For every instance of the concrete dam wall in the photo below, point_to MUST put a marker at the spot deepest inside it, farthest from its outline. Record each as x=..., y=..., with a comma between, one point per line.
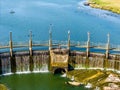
x=22, y=62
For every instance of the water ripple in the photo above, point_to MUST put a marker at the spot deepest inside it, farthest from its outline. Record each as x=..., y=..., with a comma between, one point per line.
x=98, y=12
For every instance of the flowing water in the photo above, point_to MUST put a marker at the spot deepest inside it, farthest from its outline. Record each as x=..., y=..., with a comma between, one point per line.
x=37, y=15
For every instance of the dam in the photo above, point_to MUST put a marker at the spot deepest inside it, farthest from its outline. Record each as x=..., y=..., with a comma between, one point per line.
x=57, y=56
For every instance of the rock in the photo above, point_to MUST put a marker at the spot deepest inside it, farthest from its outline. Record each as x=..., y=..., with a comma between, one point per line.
x=86, y=3
x=111, y=86
x=112, y=78
x=12, y=12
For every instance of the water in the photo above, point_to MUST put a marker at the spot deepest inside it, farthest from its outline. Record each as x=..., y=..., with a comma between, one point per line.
x=37, y=15
x=65, y=15
x=38, y=81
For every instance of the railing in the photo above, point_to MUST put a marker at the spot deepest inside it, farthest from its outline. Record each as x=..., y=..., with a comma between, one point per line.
x=61, y=43
x=11, y=45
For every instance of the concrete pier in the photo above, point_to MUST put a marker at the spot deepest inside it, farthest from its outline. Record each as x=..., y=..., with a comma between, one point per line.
x=12, y=57
x=13, y=64
x=11, y=45
x=108, y=47
x=88, y=46
x=30, y=43
x=31, y=53
x=50, y=37
x=0, y=66
x=68, y=40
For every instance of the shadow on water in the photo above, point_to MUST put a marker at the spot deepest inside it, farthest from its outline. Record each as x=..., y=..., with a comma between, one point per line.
x=70, y=67
x=59, y=71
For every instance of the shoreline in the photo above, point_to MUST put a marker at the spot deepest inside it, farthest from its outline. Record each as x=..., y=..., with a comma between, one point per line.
x=96, y=78
x=3, y=87
x=110, y=5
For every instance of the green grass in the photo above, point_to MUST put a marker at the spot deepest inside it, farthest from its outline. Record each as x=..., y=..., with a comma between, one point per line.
x=111, y=5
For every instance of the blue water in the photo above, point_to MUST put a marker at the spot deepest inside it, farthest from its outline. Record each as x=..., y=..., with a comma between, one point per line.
x=37, y=15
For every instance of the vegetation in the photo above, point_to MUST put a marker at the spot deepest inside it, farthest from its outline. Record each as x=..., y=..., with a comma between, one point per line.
x=95, y=77
x=111, y=5
x=3, y=87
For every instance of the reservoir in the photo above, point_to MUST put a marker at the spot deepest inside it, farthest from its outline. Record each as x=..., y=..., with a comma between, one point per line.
x=36, y=16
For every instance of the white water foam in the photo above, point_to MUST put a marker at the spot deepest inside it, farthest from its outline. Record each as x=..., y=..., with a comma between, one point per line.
x=63, y=75
x=6, y=74
x=88, y=85
x=41, y=71
x=28, y=72
x=118, y=71
x=24, y=72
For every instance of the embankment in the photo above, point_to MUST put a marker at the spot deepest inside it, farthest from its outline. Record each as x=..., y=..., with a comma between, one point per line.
x=3, y=87
x=111, y=5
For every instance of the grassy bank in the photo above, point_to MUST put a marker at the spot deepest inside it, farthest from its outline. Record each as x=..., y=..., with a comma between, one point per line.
x=95, y=77
x=3, y=87
x=111, y=5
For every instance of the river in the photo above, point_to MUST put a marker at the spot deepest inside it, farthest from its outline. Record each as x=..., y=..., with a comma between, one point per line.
x=36, y=16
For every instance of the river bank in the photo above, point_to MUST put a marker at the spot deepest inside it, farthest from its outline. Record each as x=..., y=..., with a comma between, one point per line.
x=97, y=78
x=111, y=5
x=3, y=87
